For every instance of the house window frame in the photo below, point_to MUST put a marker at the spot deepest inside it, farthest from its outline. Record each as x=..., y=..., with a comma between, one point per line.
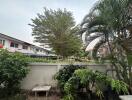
x=14, y=45
x=2, y=41
x=25, y=47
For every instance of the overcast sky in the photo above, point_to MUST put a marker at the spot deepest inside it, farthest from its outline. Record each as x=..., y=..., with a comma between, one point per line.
x=15, y=15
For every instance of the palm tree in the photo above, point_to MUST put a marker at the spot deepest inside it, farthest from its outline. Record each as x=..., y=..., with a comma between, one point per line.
x=107, y=19
x=111, y=21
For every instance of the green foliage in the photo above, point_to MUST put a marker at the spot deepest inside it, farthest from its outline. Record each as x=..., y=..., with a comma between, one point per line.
x=82, y=53
x=90, y=80
x=66, y=45
x=13, y=68
x=49, y=60
x=69, y=88
x=110, y=20
x=129, y=57
x=64, y=74
x=111, y=23
x=119, y=86
x=44, y=60
x=57, y=29
x=68, y=97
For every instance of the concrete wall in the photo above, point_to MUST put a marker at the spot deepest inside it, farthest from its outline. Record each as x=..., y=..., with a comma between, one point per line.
x=43, y=73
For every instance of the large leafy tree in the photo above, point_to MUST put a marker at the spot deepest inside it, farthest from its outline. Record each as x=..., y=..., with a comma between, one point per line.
x=111, y=21
x=57, y=29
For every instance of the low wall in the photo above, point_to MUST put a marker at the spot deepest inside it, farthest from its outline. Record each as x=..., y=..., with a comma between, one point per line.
x=43, y=73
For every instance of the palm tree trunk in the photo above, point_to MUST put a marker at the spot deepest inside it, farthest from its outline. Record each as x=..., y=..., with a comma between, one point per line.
x=112, y=58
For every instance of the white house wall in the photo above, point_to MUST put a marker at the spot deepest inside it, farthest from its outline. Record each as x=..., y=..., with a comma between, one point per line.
x=20, y=47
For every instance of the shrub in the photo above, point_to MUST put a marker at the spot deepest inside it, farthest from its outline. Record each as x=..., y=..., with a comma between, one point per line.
x=94, y=83
x=64, y=74
x=13, y=68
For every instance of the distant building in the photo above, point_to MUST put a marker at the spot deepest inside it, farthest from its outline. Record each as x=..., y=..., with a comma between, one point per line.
x=13, y=45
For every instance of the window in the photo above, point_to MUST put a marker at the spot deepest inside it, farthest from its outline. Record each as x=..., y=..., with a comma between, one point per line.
x=15, y=45
x=37, y=50
x=41, y=50
x=2, y=42
x=25, y=47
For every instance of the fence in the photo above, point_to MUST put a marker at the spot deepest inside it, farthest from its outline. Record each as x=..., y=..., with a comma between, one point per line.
x=43, y=73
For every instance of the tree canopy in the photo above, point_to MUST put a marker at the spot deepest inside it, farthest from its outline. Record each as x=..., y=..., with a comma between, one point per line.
x=111, y=21
x=57, y=29
x=108, y=20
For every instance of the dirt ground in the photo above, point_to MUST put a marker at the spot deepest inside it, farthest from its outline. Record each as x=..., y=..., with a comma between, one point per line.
x=41, y=96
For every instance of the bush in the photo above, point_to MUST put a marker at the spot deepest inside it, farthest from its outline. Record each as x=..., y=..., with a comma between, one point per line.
x=64, y=74
x=13, y=68
x=95, y=84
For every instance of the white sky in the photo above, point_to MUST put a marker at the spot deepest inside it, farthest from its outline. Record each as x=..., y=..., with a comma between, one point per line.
x=15, y=15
